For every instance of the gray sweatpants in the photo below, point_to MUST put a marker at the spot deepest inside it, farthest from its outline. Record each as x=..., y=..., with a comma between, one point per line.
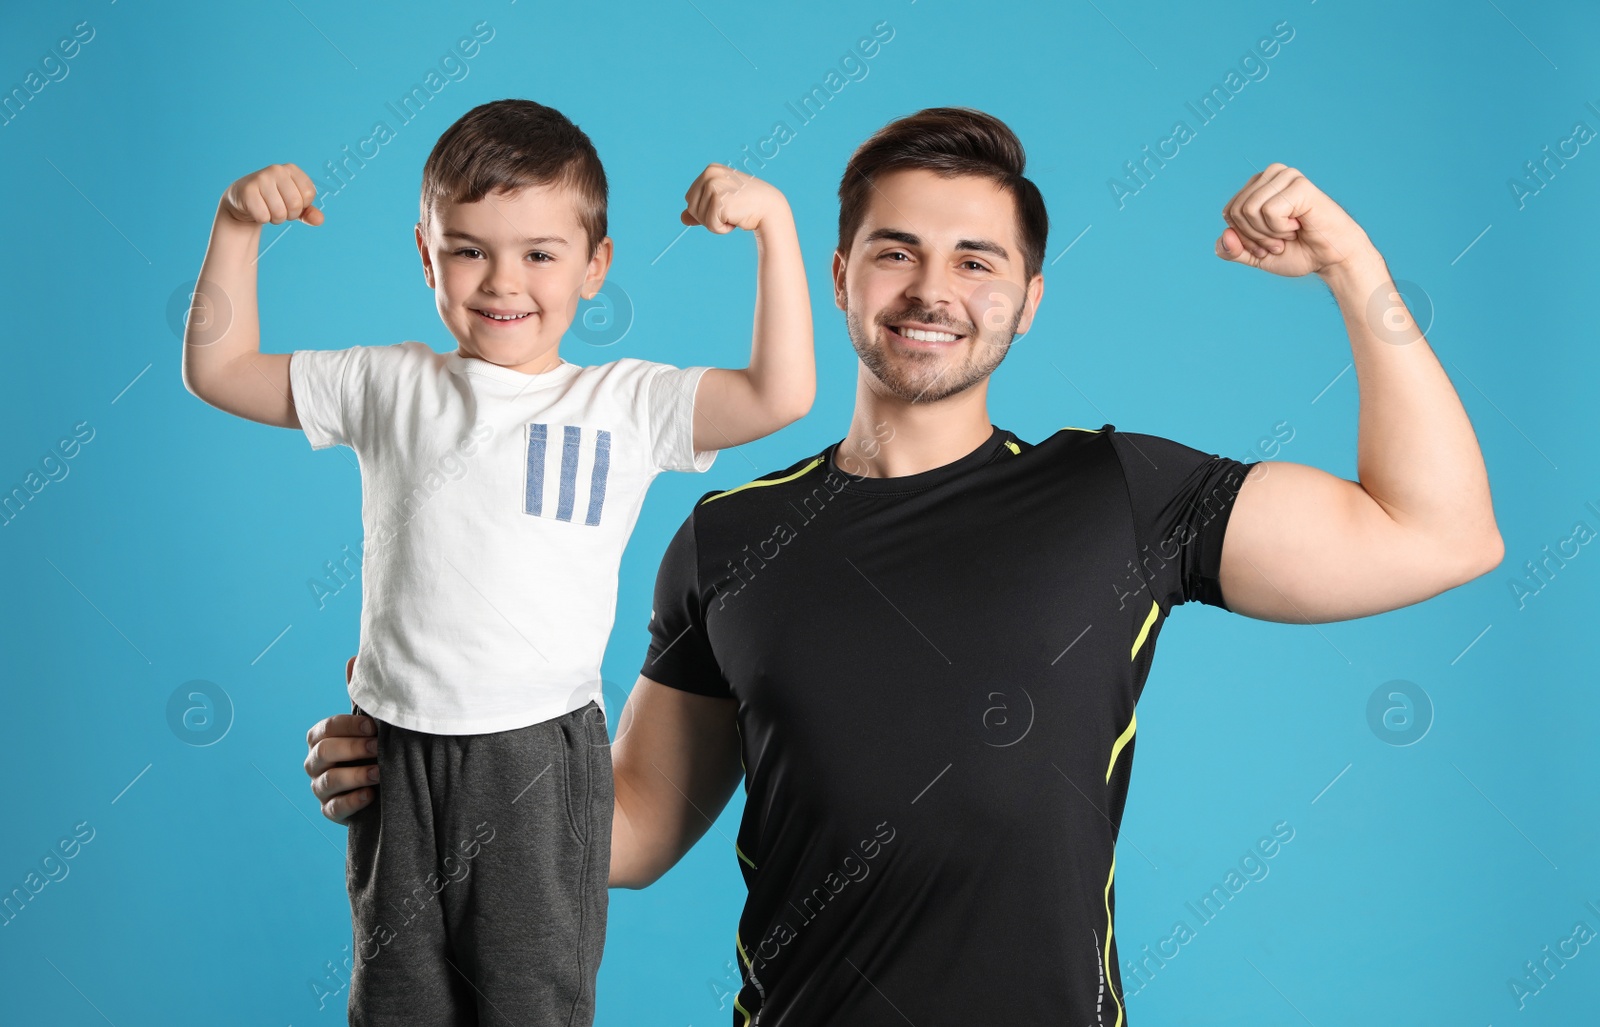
x=478, y=878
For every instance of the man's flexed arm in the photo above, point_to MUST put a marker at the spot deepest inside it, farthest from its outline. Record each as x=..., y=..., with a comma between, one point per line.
x=222, y=359
x=675, y=762
x=1304, y=545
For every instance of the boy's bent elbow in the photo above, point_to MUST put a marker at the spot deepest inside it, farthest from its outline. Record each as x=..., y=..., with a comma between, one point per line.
x=195, y=384
x=206, y=389
x=797, y=404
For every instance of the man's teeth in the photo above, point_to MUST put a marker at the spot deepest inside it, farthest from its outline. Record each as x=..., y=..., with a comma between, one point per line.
x=920, y=336
x=503, y=317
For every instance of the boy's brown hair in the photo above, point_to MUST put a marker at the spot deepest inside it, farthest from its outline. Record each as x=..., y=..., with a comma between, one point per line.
x=948, y=141
x=511, y=144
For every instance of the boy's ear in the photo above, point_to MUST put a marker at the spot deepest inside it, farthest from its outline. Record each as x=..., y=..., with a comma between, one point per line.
x=839, y=265
x=599, y=264
x=427, y=258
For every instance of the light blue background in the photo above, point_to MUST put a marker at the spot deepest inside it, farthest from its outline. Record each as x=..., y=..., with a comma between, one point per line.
x=181, y=542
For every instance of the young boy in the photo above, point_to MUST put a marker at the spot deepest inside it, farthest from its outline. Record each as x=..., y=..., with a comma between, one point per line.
x=499, y=486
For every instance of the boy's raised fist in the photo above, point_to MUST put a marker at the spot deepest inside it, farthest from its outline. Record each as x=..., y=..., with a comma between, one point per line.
x=277, y=193
x=723, y=199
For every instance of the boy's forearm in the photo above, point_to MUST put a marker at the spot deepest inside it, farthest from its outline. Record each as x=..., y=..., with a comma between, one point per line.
x=224, y=323
x=782, y=367
x=222, y=359
x=735, y=406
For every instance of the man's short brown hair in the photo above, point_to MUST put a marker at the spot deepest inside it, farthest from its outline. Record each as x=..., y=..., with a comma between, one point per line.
x=512, y=144
x=948, y=141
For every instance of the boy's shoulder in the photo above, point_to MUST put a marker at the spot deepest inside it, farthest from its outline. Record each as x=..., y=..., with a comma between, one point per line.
x=391, y=361
x=388, y=356
x=634, y=380
x=625, y=368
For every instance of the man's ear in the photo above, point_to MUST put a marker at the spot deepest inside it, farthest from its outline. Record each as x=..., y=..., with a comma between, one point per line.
x=599, y=265
x=427, y=258
x=839, y=265
x=1030, y=303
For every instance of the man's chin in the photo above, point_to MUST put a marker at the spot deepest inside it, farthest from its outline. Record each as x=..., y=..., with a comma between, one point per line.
x=921, y=387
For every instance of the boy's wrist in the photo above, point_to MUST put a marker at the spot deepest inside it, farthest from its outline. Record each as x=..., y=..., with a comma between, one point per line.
x=226, y=222
x=777, y=222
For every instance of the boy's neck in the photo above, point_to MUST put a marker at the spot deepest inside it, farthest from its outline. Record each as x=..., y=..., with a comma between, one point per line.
x=548, y=361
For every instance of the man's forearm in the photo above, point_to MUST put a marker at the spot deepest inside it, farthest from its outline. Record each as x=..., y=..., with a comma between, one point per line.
x=627, y=863
x=1417, y=456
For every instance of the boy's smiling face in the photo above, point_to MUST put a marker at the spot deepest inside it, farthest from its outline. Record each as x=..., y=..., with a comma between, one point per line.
x=521, y=255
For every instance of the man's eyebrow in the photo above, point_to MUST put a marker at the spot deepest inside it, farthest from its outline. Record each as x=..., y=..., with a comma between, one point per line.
x=908, y=239
x=540, y=241
x=984, y=246
x=893, y=235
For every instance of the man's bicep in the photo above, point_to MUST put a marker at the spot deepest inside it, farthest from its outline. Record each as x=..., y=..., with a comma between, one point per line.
x=673, y=739
x=675, y=763
x=1306, y=546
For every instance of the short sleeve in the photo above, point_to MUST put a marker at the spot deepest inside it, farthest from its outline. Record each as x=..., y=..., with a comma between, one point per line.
x=669, y=396
x=320, y=383
x=1181, y=500
x=680, y=653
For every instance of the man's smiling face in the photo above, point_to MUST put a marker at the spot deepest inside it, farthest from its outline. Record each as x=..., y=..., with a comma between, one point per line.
x=933, y=288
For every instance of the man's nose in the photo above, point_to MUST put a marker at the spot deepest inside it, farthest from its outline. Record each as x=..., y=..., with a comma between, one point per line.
x=931, y=286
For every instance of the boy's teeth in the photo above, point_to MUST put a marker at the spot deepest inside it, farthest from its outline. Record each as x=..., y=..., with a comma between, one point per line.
x=921, y=336
x=503, y=317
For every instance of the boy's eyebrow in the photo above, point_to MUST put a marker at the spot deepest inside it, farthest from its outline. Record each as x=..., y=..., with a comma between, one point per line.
x=541, y=240
x=976, y=245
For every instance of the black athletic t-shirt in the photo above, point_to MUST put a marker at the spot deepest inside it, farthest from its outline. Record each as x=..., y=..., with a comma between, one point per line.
x=936, y=677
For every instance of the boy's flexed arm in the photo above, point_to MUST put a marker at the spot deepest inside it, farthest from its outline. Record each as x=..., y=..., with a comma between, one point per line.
x=222, y=359
x=735, y=406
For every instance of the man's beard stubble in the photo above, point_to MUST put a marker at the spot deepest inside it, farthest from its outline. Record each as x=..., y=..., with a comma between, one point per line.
x=929, y=382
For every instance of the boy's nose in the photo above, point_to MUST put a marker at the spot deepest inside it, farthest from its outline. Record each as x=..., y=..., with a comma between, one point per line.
x=503, y=281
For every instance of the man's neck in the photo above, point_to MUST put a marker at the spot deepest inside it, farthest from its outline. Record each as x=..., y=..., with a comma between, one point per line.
x=890, y=438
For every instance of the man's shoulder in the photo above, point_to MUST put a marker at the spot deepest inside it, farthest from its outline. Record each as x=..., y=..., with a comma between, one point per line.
x=1135, y=450
x=772, y=485
x=1076, y=443
x=1073, y=436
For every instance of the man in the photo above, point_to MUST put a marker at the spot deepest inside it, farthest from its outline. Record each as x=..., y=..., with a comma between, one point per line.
x=921, y=648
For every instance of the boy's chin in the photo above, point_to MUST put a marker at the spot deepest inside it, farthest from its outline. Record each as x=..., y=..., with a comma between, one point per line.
x=512, y=357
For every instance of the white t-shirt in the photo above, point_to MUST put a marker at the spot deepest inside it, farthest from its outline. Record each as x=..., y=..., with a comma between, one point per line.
x=496, y=506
